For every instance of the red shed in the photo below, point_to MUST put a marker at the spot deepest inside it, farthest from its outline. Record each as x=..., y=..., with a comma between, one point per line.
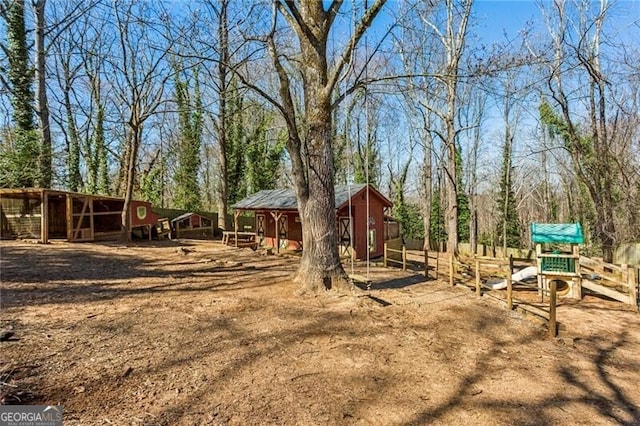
x=360, y=211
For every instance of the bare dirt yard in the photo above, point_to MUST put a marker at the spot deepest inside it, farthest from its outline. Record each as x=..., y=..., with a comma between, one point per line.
x=151, y=334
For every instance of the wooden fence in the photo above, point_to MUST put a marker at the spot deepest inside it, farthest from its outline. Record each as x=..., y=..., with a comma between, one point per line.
x=621, y=281
x=391, y=254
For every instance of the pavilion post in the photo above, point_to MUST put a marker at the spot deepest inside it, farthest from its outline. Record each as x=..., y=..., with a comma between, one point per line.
x=236, y=214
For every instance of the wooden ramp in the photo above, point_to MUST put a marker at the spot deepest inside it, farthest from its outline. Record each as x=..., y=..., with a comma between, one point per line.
x=619, y=282
x=608, y=291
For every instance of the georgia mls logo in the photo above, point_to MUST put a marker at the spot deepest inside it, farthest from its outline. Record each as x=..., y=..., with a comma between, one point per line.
x=31, y=415
x=51, y=407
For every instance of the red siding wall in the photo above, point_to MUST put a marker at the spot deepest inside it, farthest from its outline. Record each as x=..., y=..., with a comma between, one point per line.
x=150, y=217
x=294, y=230
x=359, y=212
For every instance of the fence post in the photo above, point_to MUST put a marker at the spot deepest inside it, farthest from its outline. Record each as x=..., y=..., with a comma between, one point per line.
x=510, y=282
x=384, y=262
x=632, y=284
x=509, y=293
x=404, y=257
x=478, y=291
x=511, y=264
x=426, y=264
x=451, y=272
x=552, y=309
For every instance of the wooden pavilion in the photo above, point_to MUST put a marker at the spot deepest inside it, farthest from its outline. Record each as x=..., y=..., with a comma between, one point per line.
x=360, y=219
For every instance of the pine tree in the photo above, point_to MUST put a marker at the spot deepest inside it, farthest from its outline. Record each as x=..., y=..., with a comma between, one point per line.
x=464, y=214
x=20, y=73
x=263, y=159
x=187, y=191
x=253, y=161
x=20, y=162
x=508, y=226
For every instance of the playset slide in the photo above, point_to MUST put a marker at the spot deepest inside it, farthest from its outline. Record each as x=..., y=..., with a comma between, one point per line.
x=523, y=274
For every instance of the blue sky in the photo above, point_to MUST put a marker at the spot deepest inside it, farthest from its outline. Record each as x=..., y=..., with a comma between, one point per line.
x=496, y=17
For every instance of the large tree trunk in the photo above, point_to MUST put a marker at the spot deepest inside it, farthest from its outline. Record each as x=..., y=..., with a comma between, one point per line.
x=320, y=267
x=221, y=128
x=42, y=105
x=73, y=140
x=133, y=144
x=451, y=217
x=310, y=150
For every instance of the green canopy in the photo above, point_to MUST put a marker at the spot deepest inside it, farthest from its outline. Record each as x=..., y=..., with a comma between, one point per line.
x=564, y=233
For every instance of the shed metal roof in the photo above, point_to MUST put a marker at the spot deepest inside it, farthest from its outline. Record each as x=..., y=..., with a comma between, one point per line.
x=186, y=215
x=285, y=199
x=564, y=233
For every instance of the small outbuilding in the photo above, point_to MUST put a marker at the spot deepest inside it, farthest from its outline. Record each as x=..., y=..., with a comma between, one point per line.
x=193, y=225
x=360, y=219
x=45, y=214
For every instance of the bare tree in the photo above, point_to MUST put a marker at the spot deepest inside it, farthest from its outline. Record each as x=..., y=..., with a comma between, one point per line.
x=474, y=116
x=576, y=42
x=453, y=39
x=143, y=72
x=439, y=106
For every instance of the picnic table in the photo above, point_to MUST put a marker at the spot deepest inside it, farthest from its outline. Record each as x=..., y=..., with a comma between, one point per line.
x=244, y=239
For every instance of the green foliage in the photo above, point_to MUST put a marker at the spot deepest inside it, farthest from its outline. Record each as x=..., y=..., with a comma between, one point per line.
x=263, y=159
x=97, y=166
x=187, y=191
x=19, y=153
x=366, y=162
x=464, y=214
x=74, y=179
x=410, y=218
x=486, y=238
x=558, y=127
x=20, y=73
x=101, y=153
x=152, y=185
x=19, y=149
x=236, y=145
x=253, y=160
x=438, y=230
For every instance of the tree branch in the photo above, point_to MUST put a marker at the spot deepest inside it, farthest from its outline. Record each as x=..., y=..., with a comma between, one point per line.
x=362, y=26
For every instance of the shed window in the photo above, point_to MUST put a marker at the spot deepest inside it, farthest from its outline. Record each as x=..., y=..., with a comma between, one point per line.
x=372, y=240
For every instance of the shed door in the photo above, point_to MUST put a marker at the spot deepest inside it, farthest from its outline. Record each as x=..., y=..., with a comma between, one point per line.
x=260, y=227
x=345, y=236
x=283, y=231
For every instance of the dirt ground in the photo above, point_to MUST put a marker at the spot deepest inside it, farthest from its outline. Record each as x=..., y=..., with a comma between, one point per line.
x=151, y=334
